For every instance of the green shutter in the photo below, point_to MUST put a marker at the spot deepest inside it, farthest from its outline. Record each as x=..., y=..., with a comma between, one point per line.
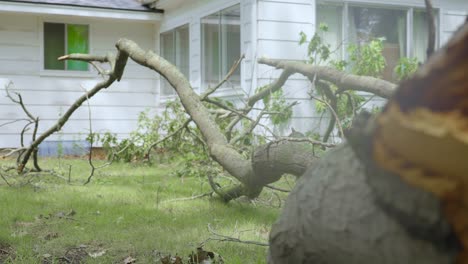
x=77, y=42
x=54, y=46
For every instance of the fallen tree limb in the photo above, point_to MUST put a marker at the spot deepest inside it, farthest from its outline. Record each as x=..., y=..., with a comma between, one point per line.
x=117, y=67
x=343, y=80
x=224, y=238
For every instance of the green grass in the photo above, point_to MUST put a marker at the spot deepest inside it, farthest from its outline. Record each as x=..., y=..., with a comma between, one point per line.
x=125, y=211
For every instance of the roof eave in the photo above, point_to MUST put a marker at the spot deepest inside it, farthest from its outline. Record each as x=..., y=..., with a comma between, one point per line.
x=169, y=4
x=80, y=11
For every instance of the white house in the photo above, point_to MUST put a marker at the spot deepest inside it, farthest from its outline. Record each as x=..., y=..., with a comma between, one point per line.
x=202, y=37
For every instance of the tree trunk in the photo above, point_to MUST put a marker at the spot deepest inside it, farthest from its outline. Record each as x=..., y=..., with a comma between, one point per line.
x=332, y=216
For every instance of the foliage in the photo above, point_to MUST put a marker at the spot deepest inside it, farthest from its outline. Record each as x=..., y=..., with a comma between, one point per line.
x=319, y=52
x=367, y=59
x=276, y=104
x=364, y=59
x=345, y=104
x=152, y=128
x=406, y=67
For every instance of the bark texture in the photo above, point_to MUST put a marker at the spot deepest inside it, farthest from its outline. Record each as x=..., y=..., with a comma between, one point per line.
x=252, y=179
x=332, y=216
x=343, y=80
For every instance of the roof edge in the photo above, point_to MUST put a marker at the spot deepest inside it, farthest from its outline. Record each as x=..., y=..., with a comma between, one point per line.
x=149, y=10
x=78, y=11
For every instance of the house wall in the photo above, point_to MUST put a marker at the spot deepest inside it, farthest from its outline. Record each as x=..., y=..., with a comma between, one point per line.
x=191, y=13
x=270, y=28
x=48, y=94
x=278, y=26
x=279, y=23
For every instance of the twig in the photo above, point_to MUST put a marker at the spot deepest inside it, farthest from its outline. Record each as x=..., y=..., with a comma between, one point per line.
x=184, y=125
x=277, y=189
x=340, y=127
x=431, y=27
x=224, y=238
x=239, y=113
x=14, y=121
x=35, y=160
x=228, y=75
x=19, y=101
x=190, y=198
x=90, y=154
x=364, y=103
x=312, y=141
x=3, y=177
x=32, y=120
x=117, y=64
x=332, y=98
x=13, y=152
x=69, y=173
x=249, y=130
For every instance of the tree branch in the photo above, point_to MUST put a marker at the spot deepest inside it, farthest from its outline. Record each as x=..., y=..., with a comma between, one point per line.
x=340, y=127
x=273, y=87
x=233, y=69
x=343, y=80
x=118, y=64
x=431, y=26
x=217, y=143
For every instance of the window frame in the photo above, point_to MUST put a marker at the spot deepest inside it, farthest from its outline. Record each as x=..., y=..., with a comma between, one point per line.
x=221, y=47
x=161, y=52
x=63, y=73
x=409, y=9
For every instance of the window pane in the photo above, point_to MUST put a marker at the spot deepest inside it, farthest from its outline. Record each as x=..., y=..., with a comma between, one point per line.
x=77, y=42
x=367, y=24
x=54, y=46
x=421, y=34
x=211, y=49
x=332, y=16
x=230, y=43
x=182, y=49
x=167, y=52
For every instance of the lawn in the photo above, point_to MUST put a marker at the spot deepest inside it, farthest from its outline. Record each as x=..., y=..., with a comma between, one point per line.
x=126, y=213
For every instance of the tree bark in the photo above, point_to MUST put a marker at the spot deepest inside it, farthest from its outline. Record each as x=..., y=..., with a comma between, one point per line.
x=332, y=216
x=253, y=178
x=343, y=80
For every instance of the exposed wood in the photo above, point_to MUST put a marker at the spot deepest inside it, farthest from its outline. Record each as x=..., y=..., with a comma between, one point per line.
x=421, y=135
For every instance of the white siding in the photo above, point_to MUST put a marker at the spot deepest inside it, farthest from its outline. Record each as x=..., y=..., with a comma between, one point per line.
x=249, y=45
x=48, y=95
x=278, y=26
x=451, y=19
x=195, y=54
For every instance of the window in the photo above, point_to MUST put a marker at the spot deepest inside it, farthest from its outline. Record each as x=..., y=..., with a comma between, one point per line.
x=175, y=49
x=420, y=34
x=364, y=23
x=221, y=46
x=332, y=15
x=61, y=39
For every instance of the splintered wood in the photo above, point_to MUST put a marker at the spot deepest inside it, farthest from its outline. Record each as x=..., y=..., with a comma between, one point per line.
x=422, y=134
